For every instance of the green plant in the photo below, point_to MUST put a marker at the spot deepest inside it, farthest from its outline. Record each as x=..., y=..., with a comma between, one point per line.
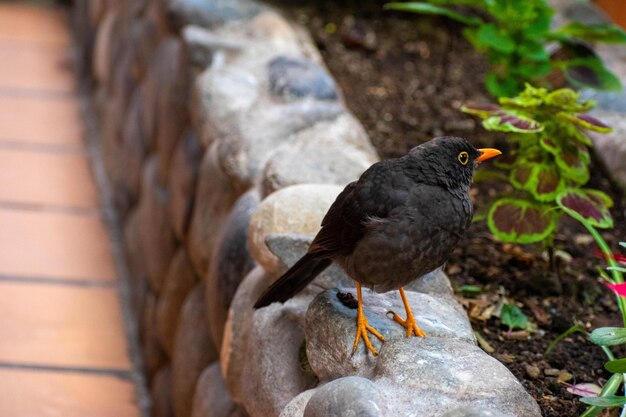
x=514, y=317
x=515, y=37
x=605, y=337
x=547, y=166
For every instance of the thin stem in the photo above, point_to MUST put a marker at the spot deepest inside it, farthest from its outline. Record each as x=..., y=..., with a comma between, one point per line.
x=608, y=352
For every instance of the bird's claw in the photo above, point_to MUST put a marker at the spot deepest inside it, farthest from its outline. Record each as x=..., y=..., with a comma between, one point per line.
x=409, y=324
x=362, y=327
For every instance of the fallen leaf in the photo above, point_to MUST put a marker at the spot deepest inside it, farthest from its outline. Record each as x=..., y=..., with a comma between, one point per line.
x=585, y=389
x=538, y=312
x=483, y=343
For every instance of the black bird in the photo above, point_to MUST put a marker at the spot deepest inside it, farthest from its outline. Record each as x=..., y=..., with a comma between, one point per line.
x=400, y=220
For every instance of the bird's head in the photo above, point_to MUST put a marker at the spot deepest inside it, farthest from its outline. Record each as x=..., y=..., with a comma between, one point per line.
x=449, y=160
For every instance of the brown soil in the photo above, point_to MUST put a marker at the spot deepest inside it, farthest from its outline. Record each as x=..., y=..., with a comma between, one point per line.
x=405, y=76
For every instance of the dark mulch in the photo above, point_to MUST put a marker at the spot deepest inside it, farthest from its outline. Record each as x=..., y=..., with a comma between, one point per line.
x=405, y=76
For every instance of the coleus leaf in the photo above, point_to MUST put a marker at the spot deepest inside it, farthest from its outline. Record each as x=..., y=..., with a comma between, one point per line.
x=608, y=401
x=508, y=122
x=571, y=130
x=585, y=121
x=572, y=158
x=520, y=221
x=584, y=389
x=546, y=182
x=586, y=207
x=600, y=197
x=608, y=336
x=482, y=110
x=542, y=180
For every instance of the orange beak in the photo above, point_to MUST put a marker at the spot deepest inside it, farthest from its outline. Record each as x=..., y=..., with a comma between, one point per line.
x=487, y=153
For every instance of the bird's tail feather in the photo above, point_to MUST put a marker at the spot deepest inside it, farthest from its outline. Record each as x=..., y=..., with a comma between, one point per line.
x=294, y=280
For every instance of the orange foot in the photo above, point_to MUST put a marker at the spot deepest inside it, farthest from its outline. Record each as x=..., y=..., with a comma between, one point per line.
x=409, y=323
x=362, y=327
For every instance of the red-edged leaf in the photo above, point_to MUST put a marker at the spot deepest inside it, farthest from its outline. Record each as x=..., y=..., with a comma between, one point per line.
x=542, y=180
x=550, y=144
x=512, y=123
x=584, y=390
x=482, y=110
x=619, y=289
x=585, y=207
x=520, y=221
x=573, y=160
x=571, y=131
x=548, y=183
x=520, y=175
x=585, y=121
x=599, y=197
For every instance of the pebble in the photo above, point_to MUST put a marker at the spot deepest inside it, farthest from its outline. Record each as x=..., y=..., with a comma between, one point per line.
x=532, y=371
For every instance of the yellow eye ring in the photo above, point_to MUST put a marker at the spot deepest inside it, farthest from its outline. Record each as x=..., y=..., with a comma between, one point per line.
x=463, y=158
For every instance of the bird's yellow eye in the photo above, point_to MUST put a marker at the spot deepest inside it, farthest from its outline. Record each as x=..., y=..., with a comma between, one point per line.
x=463, y=158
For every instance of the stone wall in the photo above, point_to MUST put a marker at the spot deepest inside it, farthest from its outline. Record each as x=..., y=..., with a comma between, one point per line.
x=225, y=140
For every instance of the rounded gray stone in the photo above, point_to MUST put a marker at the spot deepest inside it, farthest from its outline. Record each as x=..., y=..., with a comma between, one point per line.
x=230, y=263
x=295, y=78
x=295, y=407
x=211, y=398
x=349, y=396
x=296, y=209
x=332, y=152
x=209, y=211
x=438, y=375
x=331, y=328
x=255, y=135
x=274, y=345
x=212, y=13
x=193, y=351
x=233, y=352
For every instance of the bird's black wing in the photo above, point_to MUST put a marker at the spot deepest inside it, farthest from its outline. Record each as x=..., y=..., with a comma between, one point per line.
x=379, y=190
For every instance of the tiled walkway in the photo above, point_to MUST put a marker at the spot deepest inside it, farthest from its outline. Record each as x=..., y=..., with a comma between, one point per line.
x=63, y=350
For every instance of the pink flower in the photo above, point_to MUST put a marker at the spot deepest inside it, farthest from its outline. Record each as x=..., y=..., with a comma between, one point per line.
x=619, y=289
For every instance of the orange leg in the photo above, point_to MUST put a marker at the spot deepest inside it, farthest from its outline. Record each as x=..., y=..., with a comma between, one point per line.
x=409, y=323
x=362, y=327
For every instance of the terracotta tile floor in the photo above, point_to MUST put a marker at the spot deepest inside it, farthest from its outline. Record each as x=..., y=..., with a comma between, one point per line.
x=63, y=349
